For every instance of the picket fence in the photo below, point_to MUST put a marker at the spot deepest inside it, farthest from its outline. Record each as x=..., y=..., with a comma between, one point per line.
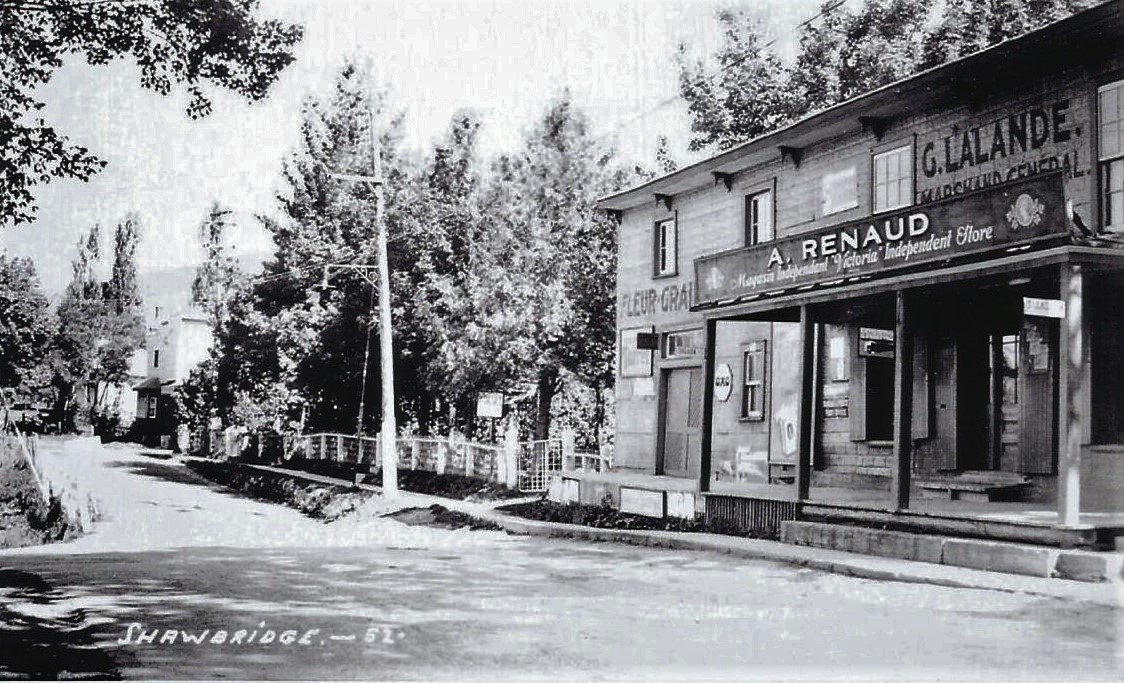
x=525, y=465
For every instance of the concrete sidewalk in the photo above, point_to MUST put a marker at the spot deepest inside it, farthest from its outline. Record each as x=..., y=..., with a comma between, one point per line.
x=838, y=562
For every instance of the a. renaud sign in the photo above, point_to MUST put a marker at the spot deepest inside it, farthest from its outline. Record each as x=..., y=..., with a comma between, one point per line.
x=998, y=217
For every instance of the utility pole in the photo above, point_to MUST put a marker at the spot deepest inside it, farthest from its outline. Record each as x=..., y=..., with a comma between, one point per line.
x=389, y=429
x=366, y=362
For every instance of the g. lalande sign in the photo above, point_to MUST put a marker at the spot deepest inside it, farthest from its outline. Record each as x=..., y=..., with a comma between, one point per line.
x=1009, y=214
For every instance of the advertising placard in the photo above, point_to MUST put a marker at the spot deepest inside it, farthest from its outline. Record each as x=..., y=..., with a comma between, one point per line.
x=999, y=217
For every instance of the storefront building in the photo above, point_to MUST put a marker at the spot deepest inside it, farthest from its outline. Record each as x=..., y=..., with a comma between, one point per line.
x=914, y=298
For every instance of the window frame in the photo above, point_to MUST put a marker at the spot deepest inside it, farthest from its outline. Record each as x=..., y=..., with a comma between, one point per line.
x=907, y=198
x=1106, y=162
x=748, y=410
x=752, y=232
x=155, y=358
x=665, y=344
x=659, y=248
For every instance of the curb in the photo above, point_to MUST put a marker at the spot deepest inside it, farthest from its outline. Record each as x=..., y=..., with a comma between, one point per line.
x=833, y=561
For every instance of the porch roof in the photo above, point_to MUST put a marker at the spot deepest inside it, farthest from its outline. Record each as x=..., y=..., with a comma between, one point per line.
x=1092, y=256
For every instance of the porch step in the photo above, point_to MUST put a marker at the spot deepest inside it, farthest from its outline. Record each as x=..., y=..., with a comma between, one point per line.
x=996, y=556
x=974, y=485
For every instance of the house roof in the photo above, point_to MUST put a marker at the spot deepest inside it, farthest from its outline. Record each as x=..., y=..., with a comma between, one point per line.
x=152, y=383
x=1084, y=38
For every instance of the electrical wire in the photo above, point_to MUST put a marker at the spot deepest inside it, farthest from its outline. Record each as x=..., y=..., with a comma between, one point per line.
x=723, y=68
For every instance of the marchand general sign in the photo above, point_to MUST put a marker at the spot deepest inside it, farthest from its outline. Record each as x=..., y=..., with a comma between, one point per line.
x=999, y=217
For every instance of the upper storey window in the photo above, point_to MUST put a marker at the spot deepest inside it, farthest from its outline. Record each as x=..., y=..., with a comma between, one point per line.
x=759, y=218
x=1110, y=111
x=893, y=179
x=666, y=248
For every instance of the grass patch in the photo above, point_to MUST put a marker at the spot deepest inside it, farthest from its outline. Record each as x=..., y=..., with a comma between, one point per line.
x=25, y=518
x=606, y=517
x=453, y=486
x=327, y=502
x=441, y=517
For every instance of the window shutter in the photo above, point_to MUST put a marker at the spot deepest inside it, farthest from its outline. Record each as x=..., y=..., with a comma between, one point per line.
x=857, y=388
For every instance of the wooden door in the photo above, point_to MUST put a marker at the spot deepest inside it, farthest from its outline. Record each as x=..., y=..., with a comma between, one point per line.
x=1005, y=408
x=1038, y=397
x=939, y=453
x=682, y=421
x=974, y=414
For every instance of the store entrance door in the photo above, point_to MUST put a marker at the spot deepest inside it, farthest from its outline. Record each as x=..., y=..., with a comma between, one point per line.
x=988, y=382
x=680, y=445
x=1006, y=399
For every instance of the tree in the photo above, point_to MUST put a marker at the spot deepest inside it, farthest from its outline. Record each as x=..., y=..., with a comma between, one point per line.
x=846, y=53
x=742, y=94
x=438, y=229
x=218, y=273
x=26, y=325
x=197, y=44
x=290, y=350
x=537, y=300
x=99, y=323
x=843, y=52
x=968, y=26
x=665, y=162
x=123, y=292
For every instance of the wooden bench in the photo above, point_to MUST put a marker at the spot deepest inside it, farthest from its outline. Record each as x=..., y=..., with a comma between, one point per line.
x=979, y=486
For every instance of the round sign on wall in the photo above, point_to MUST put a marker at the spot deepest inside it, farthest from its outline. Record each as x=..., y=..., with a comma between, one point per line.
x=723, y=381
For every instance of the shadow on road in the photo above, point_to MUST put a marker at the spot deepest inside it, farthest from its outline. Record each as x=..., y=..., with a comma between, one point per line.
x=39, y=642
x=177, y=474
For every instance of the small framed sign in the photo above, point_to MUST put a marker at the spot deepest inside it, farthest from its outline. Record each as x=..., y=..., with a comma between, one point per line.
x=1043, y=308
x=489, y=404
x=635, y=360
x=876, y=343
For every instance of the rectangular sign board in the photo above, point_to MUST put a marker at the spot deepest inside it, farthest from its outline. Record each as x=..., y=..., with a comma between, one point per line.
x=1014, y=213
x=1043, y=308
x=489, y=404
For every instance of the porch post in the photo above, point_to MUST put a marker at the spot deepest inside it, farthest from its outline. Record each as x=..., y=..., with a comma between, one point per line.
x=807, y=401
x=1071, y=388
x=711, y=331
x=903, y=402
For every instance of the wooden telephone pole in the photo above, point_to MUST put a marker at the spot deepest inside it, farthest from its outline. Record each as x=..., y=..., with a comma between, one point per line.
x=389, y=430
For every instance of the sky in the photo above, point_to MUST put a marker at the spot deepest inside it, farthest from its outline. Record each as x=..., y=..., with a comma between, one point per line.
x=504, y=58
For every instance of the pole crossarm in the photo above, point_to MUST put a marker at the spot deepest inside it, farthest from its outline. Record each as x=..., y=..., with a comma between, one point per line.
x=356, y=178
x=367, y=272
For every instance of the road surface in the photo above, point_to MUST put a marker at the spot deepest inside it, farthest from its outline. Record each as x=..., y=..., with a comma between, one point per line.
x=271, y=594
